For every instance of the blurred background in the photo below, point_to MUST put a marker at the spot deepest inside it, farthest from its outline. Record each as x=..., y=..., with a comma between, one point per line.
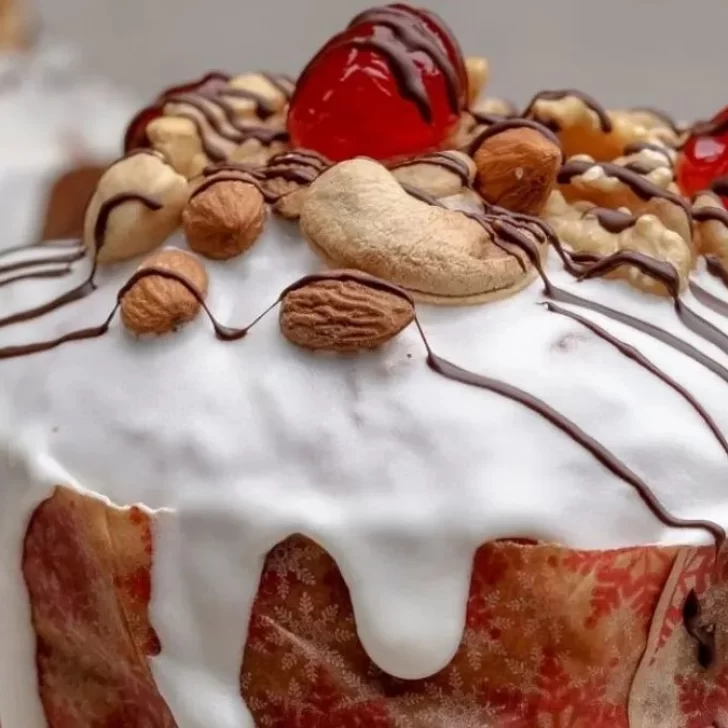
x=69, y=89
x=667, y=53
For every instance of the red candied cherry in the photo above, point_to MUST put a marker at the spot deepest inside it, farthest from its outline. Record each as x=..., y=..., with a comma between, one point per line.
x=392, y=85
x=704, y=157
x=136, y=132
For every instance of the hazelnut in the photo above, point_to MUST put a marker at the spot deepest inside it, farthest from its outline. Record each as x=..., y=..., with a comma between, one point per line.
x=157, y=305
x=517, y=169
x=225, y=218
x=136, y=206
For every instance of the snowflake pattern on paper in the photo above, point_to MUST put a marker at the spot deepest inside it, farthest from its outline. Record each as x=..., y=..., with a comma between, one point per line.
x=553, y=637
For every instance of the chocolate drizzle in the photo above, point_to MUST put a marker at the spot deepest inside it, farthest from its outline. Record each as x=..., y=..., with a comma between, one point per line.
x=632, y=353
x=444, y=160
x=713, y=127
x=300, y=167
x=562, y=296
x=397, y=34
x=659, y=114
x=604, y=121
x=238, y=133
x=42, y=262
x=642, y=187
x=87, y=286
x=637, y=147
x=708, y=213
x=436, y=363
x=613, y=221
x=506, y=125
x=716, y=268
x=283, y=83
x=232, y=176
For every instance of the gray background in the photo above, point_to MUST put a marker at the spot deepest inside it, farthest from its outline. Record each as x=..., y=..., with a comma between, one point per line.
x=668, y=53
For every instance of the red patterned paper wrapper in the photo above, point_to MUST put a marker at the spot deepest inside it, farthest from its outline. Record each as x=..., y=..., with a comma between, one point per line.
x=555, y=638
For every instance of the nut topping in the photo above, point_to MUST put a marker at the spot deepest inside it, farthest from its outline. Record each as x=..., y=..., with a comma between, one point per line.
x=343, y=315
x=225, y=217
x=156, y=305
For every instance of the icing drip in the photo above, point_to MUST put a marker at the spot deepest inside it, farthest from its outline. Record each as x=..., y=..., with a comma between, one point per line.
x=408, y=572
x=589, y=101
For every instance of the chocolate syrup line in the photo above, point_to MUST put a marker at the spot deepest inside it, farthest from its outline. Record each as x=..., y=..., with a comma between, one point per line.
x=263, y=108
x=87, y=286
x=641, y=186
x=240, y=132
x=483, y=117
x=708, y=214
x=406, y=32
x=54, y=273
x=666, y=274
x=436, y=363
x=41, y=262
x=507, y=124
x=579, y=436
x=230, y=177
x=708, y=300
x=440, y=159
x=589, y=101
x=410, y=85
x=213, y=151
x=632, y=353
x=412, y=34
x=558, y=294
x=61, y=244
x=637, y=147
x=281, y=82
x=613, y=221
x=709, y=128
x=717, y=269
x=663, y=116
x=638, y=168
x=301, y=156
x=422, y=196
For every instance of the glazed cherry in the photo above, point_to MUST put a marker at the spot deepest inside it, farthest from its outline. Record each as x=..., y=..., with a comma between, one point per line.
x=704, y=157
x=136, y=132
x=392, y=85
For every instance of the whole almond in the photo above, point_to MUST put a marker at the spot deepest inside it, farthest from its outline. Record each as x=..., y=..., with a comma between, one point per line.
x=225, y=218
x=157, y=305
x=343, y=315
x=517, y=169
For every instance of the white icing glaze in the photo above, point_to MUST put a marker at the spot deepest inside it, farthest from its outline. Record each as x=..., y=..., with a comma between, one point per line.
x=399, y=473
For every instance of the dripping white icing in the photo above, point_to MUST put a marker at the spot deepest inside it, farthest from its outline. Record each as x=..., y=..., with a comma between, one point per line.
x=398, y=473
